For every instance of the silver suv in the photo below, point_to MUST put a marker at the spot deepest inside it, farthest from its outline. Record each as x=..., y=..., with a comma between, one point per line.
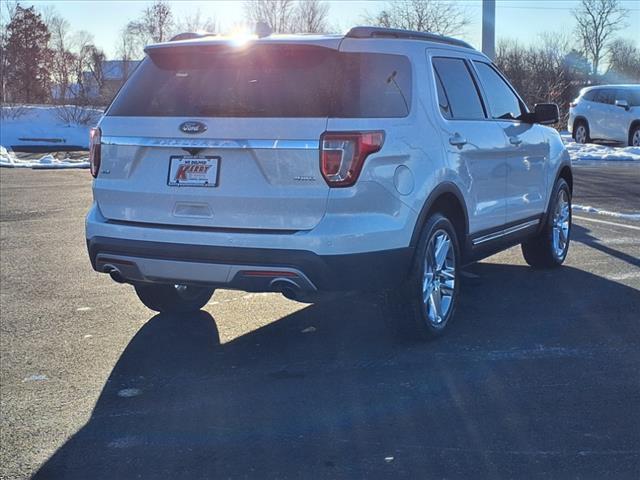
x=606, y=113
x=380, y=160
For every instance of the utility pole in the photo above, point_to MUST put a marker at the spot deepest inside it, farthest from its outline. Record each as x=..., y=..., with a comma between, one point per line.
x=489, y=28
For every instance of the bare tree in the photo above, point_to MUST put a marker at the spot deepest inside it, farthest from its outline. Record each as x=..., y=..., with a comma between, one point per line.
x=311, y=16
x=278, y=14
x=541, y=72
x=156, y=24
x=597, y=21
x=197, y=22
x=624, y=61
x=63, y=59
x=437, y=16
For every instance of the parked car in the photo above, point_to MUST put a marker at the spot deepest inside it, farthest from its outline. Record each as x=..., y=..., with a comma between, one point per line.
x=606, y=113
x=381, y=160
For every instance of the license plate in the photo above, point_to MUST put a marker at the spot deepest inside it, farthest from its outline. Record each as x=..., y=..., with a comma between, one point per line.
x=193, y=171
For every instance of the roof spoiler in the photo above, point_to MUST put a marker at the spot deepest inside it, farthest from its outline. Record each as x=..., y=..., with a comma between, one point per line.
x=380, y=32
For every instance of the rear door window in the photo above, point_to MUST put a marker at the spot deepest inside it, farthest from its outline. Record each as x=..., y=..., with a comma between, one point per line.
x=503, y=103
x=605, y=95
x=458, y=94
x=267, y=81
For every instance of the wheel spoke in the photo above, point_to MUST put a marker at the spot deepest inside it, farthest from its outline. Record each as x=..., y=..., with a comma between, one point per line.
x=436, y=304
x=448, y=273
x=442, y=249
x=446, y=288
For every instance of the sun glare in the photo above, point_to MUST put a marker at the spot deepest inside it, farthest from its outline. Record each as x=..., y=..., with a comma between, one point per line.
x=241, y=36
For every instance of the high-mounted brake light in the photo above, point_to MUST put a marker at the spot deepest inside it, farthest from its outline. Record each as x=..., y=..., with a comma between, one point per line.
x=95, y=139
x=342, y=155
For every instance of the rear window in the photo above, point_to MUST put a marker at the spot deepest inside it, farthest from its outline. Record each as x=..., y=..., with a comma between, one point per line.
x=267, y=81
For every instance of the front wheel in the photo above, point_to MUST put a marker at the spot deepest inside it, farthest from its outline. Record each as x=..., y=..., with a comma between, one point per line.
x=173, y=298
x=549, y=248
x=581, y=134
x=634, y=137
x=422, y=306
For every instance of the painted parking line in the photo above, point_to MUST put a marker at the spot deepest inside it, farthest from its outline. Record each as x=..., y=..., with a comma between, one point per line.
x=631, y=227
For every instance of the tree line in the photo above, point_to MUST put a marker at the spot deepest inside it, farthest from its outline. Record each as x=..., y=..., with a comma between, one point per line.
x=42, y=60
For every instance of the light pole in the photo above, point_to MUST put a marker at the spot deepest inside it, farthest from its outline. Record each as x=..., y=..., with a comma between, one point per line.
x=489, y=28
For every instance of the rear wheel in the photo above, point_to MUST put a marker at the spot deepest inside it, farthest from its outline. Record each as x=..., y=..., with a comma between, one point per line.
x=173, y=298
x=422, y=307
x=581, y=132
x=634, y=137
x=549, y=248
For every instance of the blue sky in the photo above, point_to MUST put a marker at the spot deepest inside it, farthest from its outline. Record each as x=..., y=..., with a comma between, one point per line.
x=519, y=19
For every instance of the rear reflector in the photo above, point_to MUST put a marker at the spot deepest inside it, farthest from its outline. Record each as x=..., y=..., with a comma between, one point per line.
x=342, y=155
x=268, y=273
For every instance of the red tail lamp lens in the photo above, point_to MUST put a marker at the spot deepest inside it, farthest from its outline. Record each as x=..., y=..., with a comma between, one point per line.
x=342, y=155
x=95, y=139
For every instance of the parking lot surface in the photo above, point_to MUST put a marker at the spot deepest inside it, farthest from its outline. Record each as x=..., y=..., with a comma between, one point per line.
x=537, y=377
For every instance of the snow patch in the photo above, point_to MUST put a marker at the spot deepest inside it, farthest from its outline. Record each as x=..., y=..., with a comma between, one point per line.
x=8, y=159
x=36, y=378
x=597, y=152
x=597, y=211
x=129, y=392
x=31, y=125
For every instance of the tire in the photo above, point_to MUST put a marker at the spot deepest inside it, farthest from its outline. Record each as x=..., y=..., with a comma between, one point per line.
x=549, y=248
x=405, y=308
x=173, y=298
x=634, y=137
x=581, y=132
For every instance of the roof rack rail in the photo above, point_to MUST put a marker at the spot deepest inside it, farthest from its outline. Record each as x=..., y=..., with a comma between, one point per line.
x=191, y=36
x=381, y=32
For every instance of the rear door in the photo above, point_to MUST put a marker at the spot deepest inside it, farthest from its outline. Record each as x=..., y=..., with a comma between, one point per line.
x=219, y=136
x=475, y=146
x=526, y=146
x=603, y=113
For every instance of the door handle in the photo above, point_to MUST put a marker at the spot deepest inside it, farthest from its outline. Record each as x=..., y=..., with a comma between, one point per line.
x=457, y=140
x=515, y=141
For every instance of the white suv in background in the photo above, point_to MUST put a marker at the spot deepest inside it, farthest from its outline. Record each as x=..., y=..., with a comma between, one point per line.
x=380, y=160
x=608, y=113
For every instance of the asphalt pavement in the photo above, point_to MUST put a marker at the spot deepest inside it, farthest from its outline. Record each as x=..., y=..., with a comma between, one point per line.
x=538, y=376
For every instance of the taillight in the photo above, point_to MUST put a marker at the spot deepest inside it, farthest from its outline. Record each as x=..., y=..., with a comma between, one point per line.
x=95, y=137
x=573, y=104
x=342, y=155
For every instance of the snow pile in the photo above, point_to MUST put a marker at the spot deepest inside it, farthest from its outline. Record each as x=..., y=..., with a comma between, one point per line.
x=47, y=162
x=41, y=126
x=598, y=211
x=592, y=151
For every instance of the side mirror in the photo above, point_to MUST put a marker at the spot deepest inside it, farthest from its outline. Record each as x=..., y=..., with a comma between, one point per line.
x=546, y=113
x=622, y=103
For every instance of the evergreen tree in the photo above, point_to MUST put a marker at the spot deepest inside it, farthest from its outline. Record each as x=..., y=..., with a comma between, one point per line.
x=28, y=57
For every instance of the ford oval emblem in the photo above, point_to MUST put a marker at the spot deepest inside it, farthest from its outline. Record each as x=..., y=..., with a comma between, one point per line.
x=193, y=127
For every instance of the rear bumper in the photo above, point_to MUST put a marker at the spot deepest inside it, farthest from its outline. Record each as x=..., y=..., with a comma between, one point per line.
x=249, y=269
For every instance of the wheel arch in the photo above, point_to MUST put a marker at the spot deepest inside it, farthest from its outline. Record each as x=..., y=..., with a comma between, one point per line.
x=447, y=199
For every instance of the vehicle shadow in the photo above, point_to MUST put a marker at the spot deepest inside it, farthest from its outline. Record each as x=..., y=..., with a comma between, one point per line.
x=536, y=377
x=582, y=234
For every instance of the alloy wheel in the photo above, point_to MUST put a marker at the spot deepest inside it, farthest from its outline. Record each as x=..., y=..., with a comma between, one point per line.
x=581, y=134
x=635, y=141
x=561, y=224
x=438, y=283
